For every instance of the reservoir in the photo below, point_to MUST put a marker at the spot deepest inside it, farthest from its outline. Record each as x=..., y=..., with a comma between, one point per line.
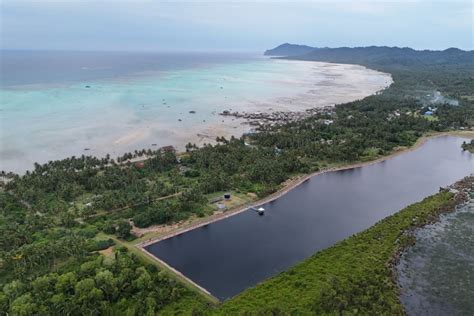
x=240, y=251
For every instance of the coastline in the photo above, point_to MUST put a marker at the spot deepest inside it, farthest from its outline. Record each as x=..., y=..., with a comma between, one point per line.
x=289, y=185
x=385, y=234
x=152, y=115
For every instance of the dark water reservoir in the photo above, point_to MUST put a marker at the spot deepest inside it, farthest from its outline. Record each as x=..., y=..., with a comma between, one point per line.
x=233, y=254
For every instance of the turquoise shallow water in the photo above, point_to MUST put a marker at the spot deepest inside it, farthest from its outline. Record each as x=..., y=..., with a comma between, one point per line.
x=41, y=121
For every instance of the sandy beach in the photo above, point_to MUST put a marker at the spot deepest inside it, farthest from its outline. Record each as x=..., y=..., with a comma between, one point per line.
x=342, y=83
x=118, y=116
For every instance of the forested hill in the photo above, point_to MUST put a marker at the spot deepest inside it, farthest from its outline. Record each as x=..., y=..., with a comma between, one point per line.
x=289, y=50
x=382, y=55
x=416, y=72
x=376, y=55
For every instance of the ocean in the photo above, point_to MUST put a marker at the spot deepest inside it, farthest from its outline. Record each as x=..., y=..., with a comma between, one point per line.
x=54, y=104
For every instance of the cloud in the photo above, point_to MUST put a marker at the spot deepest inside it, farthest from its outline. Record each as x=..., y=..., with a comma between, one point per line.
x=230, y=24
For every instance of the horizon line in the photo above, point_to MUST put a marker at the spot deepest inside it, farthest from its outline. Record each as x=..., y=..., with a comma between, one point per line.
x=219, y=50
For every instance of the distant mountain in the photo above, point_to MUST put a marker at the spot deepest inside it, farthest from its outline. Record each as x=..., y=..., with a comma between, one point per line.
x=289, y=50
x=377, y=55
x=391, y=55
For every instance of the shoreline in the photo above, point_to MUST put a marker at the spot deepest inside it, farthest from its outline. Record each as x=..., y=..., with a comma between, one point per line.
x=291, y=184
x=179, y=274
x=128, y=128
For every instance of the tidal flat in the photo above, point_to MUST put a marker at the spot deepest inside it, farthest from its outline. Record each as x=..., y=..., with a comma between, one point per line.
x=116, y=111
x=436, y=275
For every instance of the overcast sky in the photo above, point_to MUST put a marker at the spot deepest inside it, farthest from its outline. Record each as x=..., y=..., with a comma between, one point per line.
x=233, y=25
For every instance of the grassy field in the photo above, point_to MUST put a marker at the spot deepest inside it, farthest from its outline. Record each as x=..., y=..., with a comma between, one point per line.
x=431, y=118
x=236, y=200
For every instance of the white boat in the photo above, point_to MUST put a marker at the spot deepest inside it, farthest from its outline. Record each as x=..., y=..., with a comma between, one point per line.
x=259, y=211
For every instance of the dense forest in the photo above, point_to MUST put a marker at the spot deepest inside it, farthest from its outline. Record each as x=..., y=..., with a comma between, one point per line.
x=58, y=220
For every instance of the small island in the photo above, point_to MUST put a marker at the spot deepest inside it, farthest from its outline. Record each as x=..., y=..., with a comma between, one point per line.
x=469, y=146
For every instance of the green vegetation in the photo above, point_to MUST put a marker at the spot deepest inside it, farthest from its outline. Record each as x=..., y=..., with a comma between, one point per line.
x=469, y=146
x=51, y=218
x=352, y=277
x=93, y=286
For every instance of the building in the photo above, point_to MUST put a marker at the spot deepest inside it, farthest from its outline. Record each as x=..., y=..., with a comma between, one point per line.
x=328, y=122
x=168, y=149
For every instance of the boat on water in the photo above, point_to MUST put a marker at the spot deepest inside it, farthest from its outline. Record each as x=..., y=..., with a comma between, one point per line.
x=259, y=211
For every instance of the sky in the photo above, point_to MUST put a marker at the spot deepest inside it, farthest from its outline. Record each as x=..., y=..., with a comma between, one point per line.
x=229, y=25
